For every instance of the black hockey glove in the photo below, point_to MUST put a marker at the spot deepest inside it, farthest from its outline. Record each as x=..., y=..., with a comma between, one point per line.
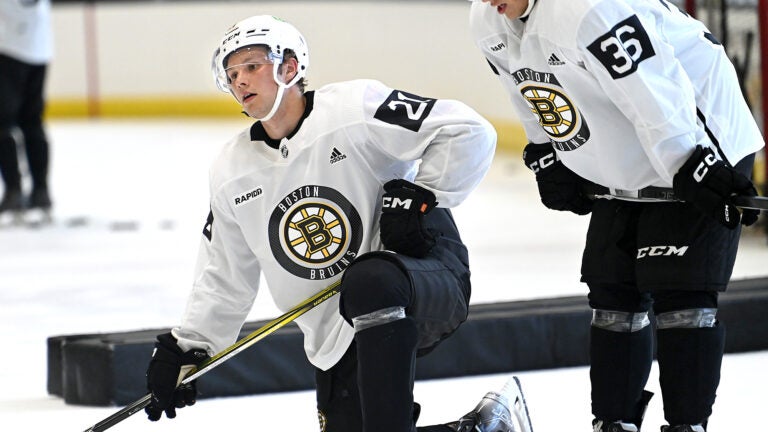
x=404, y=205
x=164, y=375
x=559, y=187
x=709, y=184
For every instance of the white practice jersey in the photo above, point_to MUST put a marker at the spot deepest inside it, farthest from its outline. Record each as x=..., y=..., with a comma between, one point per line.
x=301, y=210
x=623, y=89
x=25, y=30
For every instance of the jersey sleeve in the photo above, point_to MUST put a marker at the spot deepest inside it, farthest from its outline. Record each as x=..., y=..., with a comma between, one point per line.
x=225, y=285
x=454, y=144
x=637, y=68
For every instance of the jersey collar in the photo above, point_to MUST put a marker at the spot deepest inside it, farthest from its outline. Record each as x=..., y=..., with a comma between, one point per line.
x=259, y=134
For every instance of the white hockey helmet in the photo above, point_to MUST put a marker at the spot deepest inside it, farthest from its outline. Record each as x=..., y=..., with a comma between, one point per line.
x=266, y=30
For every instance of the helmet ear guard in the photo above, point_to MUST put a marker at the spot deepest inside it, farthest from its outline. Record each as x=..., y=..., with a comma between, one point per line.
x=269, y=31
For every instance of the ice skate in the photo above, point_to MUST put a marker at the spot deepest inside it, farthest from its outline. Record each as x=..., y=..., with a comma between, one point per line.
x=502, y=411
x=684, y=428
x=36, y=218
x=39, y=209
x=11, y=209
x=40, y=199
x=617, y=426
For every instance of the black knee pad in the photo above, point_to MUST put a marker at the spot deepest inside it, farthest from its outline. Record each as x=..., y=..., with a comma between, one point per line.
x=666, y=301
x=372, y=284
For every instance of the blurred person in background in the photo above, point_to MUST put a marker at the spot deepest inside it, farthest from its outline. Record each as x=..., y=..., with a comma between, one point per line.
x=26, y=48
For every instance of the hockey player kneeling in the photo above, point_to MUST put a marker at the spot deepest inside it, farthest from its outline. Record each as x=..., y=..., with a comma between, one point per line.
x=353, y=184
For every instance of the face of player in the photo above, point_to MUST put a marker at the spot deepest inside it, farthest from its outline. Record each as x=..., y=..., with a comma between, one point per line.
x=249, y=73
x=512, y=9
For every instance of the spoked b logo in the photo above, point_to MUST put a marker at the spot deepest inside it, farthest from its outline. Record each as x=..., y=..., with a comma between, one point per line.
x=314, y=232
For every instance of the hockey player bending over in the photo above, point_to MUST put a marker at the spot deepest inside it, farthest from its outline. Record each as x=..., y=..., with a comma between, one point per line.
x=324, y=185
x=636, y=102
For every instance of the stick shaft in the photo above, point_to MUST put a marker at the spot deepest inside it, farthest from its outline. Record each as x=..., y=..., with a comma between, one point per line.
x=226, y=354
x=748, y=202
x=741, y=201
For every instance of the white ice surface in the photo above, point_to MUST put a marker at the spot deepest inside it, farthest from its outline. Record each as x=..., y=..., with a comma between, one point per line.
x=130, y=201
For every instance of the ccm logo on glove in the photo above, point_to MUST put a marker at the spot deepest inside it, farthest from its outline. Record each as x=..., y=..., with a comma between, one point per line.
x=559, y=187
x=544, y=162
x=709, y=184
x=702, y=170
x=397, y=203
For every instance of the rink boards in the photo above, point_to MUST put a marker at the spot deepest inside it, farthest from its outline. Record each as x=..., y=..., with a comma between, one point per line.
x=109, y=368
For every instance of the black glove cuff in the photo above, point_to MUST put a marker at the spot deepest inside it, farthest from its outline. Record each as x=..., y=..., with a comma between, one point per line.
x=167, y=350
x=404, y=189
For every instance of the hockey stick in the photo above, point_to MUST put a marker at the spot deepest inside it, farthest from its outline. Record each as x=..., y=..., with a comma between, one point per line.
x=741, y=201
x=226, y=354
x=751, y=202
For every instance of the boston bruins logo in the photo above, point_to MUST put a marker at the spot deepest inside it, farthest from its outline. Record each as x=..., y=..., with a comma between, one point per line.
x=557, y=114
x=314, y=232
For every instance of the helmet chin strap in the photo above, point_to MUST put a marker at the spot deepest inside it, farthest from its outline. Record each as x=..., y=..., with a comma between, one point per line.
x=275, y=104
x=280, y=91
x=527, y=9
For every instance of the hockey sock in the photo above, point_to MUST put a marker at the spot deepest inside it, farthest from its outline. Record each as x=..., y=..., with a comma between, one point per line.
x=9, y=165
x=689, y=371
x=619, y=368
x=386, y=368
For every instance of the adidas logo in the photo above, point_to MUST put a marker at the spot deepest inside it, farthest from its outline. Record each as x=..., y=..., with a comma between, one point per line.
x=555, y=61
x=337, y=156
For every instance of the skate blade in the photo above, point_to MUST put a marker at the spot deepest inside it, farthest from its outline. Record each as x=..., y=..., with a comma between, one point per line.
x=38, y=218
x=513, y=391
x=11, y=219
